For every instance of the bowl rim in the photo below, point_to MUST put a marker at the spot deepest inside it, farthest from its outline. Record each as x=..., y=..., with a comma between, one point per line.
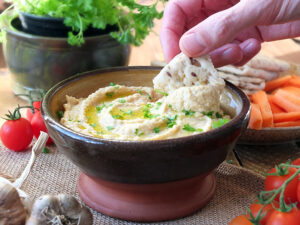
x=244, y=113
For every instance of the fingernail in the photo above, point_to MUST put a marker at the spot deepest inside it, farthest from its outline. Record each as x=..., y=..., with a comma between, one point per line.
x=190, y=44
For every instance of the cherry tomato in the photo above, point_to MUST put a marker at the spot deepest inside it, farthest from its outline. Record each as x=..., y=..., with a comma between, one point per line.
x=38, y=125
x=240, y=220
x=255, y=207
x=16, y=134
x=298, y=193
x=274, y=182
x=36, y=106
x=284, y=218
x=296, y=162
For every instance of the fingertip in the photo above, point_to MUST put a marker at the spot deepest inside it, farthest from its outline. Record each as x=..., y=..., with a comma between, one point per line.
x=228, y=54
x=190, y=45
x=249, y=49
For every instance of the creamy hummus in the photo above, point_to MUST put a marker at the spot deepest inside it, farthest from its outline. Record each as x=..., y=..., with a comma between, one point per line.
x=185, y=101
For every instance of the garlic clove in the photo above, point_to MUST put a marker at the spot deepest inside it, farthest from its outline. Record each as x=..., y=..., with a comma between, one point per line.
x=12, y=210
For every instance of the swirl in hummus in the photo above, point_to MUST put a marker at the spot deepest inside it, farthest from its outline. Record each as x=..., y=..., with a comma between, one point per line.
x=185, y=101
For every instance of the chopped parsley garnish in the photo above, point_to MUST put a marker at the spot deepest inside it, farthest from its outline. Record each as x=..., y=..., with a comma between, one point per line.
x=109, y=128
x=170, y=106
x=158, y=104
x=129, y=112
x=171, y=121
x=70, y=120
x=140, y=91
x=209, y=114
x=99, y=108
x=100, y=132
x=136, y=132
x=122, y=100
x=218, y=115
x=188, y=112
x=189, y=128
x=60, y=114
x=45, y=150
x=156, y=130
x=93, y=125
x=219, y=123
x=161, y=92
x=146, y=111
x=117, y=117
x=149, y=97
x=112, y=84
x=110, y=94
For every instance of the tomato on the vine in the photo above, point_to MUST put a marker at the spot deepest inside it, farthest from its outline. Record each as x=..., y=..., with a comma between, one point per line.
x=275, y=181
x=284, y=218
x=38, y=125
x=240, y=220
x=16, y=133
x=31, y=111
x=255, y=207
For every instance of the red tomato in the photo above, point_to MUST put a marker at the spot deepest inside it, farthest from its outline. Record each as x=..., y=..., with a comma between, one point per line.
x=16, y=134
x=284, y=218
x=298, y=193
x=36, y=106
x=240, y=220
x=296, y=162
x=255, y=207
x=38, y=125
x=274, y=182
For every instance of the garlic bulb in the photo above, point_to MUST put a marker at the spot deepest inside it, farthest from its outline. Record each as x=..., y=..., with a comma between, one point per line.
x=58, y=210
x=12, y=210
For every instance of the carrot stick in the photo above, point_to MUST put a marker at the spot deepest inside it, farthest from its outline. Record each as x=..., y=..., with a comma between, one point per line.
x=288, y=124
x=295, y=81
x=284, y=117
x=288, y=96
x=275, y=108
x=292, y=90
x=255, y=121
x=285, y=104
x=279, y=82
x=260, y=98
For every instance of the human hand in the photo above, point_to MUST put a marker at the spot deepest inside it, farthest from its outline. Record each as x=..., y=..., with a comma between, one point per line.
x=231, y=31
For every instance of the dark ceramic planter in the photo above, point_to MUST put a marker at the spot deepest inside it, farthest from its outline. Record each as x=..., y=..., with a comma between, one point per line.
x=54, y=27
x=119, y=175
x=38, y=62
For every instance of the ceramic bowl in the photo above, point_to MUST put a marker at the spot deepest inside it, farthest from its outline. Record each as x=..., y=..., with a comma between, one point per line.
x=136, y=166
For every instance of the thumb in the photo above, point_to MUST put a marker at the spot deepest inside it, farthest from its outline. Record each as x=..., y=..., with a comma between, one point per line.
x=219, y=29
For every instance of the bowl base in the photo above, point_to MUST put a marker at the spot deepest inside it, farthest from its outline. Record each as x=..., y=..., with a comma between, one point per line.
x=147, y=202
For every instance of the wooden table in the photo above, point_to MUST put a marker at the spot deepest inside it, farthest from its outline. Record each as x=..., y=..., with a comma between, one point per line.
x=251, y=156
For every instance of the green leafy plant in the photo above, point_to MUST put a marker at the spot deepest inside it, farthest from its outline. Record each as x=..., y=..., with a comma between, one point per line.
x=134, y=20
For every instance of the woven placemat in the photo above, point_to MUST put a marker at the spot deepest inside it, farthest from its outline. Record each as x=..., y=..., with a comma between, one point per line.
x=53, y=173
x=261, y=158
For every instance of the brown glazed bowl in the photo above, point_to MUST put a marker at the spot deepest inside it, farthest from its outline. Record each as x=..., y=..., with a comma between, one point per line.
x=143, y=180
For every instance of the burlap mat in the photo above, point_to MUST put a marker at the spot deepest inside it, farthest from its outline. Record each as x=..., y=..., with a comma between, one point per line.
x=261, y=158
x=53, y=174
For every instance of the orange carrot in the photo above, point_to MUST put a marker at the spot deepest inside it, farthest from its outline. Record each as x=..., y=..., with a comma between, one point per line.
x=288, y=96
x=260, y=98
x=295, y=81
x=292, y=89
x=255, y=121
x=275, y=108
x=288, y=124
x=279, y=82
x=285, y=103
x=284, y=117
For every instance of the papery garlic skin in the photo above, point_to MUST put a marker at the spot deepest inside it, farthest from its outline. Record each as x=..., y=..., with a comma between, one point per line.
x=62, y=208
x=12, y=210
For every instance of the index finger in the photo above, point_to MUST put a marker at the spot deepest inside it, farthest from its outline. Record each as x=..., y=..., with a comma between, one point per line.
x=175, y=21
